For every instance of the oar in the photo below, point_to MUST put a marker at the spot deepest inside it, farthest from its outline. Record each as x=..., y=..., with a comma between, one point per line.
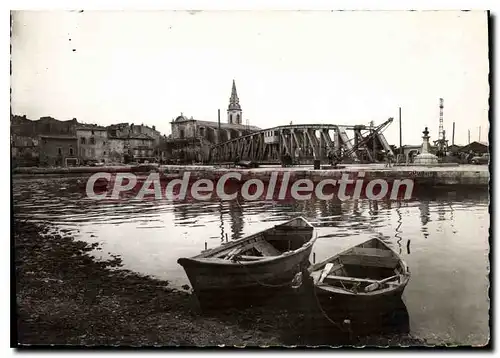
x=377, y=284
x=326, y=271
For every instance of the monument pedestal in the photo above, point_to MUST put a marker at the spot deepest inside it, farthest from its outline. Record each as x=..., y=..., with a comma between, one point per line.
x=426, y=158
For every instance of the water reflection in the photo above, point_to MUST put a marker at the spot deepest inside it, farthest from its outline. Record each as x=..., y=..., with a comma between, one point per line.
x=236, y=218
x=373, y=207
x=441, y=210
x=424, y=216
x=221, y=218
x=398, y=228
x=176, y=229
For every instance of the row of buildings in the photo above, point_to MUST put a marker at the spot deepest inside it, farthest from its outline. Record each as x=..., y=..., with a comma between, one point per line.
x=50, y=142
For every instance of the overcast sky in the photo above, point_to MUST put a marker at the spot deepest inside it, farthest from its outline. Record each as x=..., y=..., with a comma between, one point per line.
x=306, y=67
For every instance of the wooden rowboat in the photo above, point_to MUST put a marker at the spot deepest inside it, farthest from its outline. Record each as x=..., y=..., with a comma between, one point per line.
x=367, y=276
x=269, y=258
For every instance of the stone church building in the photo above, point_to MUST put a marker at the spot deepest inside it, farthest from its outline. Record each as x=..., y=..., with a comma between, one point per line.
x=191, y=138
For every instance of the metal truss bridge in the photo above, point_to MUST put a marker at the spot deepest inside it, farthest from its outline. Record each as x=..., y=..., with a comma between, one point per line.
x=305, y=142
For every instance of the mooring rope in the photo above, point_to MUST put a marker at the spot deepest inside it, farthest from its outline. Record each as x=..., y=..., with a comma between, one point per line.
x=323, y=311
x=290, y=284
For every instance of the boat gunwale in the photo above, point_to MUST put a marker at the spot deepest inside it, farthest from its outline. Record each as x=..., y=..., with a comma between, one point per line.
x=328, y=288
x=331, y=289
x=316, y=267
x=204, y=259
x=262, y=262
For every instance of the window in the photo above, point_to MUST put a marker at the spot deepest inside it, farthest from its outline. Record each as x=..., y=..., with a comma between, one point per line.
x=104, y=153
x=238, y=118
x=83, y=140
x=92, y=140
x=59, y=151
x=70, y=150
x=92, y=132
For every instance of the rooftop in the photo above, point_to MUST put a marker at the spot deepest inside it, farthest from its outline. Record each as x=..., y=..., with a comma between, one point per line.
x=213, y=124
x=132, y=136
x=57, y=136
x=94, y=127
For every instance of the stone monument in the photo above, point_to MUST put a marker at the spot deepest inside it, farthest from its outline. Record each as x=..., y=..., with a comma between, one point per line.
x=425, y=158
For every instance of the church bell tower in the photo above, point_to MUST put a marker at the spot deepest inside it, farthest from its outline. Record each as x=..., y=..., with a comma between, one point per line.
x=234, y=113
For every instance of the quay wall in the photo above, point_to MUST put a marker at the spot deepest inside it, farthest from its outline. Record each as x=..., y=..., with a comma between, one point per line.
x=474, y=175
x=420, y=175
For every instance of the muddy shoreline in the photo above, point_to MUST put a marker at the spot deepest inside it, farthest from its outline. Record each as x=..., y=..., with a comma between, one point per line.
x=66, y=297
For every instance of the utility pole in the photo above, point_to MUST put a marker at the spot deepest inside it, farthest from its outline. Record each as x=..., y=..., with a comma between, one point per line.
x=453, y=135
x=218, y=127
x=400, y=134
x=469, y=137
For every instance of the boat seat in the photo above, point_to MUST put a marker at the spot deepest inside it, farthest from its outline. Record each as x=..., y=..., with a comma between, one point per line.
x=266, y=249
x=370, y=260
x=236, y=249
x=349, y=279
x=369, y=251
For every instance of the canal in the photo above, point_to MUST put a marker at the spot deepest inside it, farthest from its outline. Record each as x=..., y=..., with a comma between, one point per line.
x=442, y=235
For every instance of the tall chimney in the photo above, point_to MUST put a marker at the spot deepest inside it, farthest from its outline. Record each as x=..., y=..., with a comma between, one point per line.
x=453, y=135
x=479, y=134
x=469, y=137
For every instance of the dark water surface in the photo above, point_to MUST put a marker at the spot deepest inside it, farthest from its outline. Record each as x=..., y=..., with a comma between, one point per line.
x=443, y=236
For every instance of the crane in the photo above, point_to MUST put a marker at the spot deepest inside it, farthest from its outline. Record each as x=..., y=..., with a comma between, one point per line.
x=337, y=158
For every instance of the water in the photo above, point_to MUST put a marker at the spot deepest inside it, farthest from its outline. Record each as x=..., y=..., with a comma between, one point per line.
x=443, y=236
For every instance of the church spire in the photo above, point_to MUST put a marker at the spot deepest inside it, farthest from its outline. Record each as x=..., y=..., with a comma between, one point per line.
x=234, y=101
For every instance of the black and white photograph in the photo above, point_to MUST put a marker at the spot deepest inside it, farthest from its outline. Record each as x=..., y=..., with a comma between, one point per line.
x=250, y=178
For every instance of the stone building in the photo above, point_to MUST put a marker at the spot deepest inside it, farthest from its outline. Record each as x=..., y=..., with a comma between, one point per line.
x=151, y=132
x=130, y=143
x=141, y=147
x=24, y=151
x=22, y=126
x=58, y=150
x=125, y=129
x=116, y=150
x=48, y=141
x=92, y=143
x=191, y=139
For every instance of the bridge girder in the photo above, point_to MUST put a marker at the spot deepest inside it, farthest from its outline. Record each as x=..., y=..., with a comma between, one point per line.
x=305, y=141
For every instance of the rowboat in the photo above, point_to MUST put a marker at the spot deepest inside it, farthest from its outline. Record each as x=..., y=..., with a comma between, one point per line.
x=367, y=276
x=269, y=258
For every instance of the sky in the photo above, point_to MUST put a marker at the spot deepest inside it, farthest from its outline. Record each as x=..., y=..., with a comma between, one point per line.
x=340, y=67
